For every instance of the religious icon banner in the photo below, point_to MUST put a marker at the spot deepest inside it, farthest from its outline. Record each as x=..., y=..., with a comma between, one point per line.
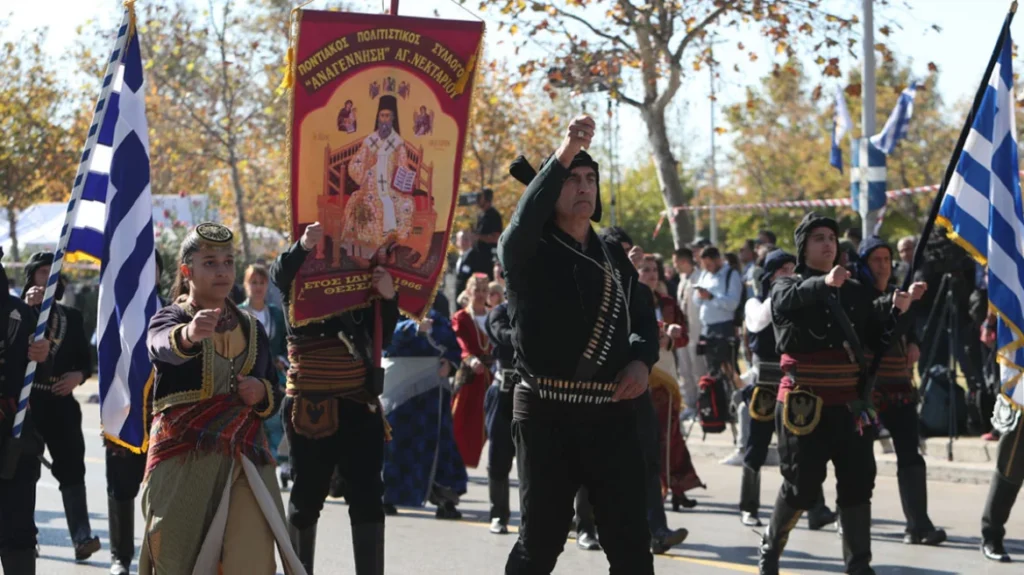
x=380, y=106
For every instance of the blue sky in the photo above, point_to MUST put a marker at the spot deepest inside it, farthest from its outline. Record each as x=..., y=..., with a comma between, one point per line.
x=969, y=29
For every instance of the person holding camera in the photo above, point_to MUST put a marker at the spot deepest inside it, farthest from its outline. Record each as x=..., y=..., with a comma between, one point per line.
x=585, y=337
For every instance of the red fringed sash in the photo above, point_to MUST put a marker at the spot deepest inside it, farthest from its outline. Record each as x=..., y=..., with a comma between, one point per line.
x=221, y=424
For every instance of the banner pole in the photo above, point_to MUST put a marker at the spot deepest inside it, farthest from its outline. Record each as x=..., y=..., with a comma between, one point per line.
x=378, y=329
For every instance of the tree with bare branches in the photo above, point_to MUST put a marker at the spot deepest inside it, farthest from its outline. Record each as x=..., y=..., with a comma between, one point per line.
x=655, y=44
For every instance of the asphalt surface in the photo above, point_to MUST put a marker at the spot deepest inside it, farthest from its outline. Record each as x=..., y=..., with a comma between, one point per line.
x=417, y=543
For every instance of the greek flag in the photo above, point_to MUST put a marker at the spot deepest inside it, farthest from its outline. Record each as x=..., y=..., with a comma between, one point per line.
x=114, y=224
x=982, y=211
x=841, y=124
x=895, y=128
x=868, y=163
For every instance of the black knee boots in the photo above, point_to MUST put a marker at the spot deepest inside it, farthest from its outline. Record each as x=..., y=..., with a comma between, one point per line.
x=304, y=543
x=783, y=520
x=368, y=548
x=856, y=523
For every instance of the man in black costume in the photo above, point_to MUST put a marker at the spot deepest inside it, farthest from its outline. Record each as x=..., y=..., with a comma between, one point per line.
x=332, y=413
x=585, y=336
x=818, y=417
x=19, y=459
x=760, y=397
x=58, y=417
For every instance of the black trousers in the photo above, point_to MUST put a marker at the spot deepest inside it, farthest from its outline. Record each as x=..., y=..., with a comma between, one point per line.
x=18, y=500
x=902, y=423
x=501, y=449
x=59, y=422
x=356, y=449
x=650, y=441
x=1006, y=484
x=125, y=471
x=803, y=460
x=558, y=452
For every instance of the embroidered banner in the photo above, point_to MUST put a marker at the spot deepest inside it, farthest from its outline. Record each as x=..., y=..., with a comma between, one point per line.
x=379, y=112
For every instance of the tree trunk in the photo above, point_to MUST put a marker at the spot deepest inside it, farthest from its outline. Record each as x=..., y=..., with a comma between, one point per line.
x=671, y=184
x=12, y=226
x=236, y=180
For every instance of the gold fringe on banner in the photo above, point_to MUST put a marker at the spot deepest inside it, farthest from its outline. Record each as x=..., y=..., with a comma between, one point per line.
x=460, y=85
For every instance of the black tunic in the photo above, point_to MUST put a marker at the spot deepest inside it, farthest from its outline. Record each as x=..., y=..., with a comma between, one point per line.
x=804, y=323
x=18, y=322
x=499, y=330
x=69, y=348
x=554, y=288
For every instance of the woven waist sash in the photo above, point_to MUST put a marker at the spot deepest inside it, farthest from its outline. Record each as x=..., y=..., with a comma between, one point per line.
x=828, y=374
x=324, y=366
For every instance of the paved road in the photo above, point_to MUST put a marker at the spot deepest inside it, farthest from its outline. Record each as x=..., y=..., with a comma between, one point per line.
x=718, y=544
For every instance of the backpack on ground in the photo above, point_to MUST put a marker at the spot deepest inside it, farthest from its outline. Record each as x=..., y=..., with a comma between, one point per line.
x=712, y=405
x=936, y=406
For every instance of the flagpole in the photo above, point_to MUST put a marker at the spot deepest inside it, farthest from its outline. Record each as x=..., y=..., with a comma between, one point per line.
x=929, y=224
x=867, y=216
x=72, y=212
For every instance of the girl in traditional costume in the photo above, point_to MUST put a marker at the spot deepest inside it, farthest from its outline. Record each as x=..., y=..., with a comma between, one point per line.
x=422, y=462
x=474, y=376
x=211, y=502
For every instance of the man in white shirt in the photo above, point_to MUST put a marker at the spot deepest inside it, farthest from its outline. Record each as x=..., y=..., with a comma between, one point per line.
x=690, y=365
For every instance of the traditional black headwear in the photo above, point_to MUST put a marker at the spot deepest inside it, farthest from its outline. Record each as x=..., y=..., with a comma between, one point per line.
x=811, y=222
x=866, y=247
x=521, y=170
x=36, y=261
x=773, y=262
x=387, y=103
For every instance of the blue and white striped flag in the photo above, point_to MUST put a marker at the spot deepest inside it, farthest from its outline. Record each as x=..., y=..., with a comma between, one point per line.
x=841, y=124
x=867, y=164
x=115, y=225
x=895, y=128
x=982, y=210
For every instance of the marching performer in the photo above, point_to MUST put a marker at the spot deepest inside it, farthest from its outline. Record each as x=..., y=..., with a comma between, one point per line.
x=585, y=337
x=1009, y=473
x=19, y=464
x=896, y=398
x=821, y=359
x=760, y=397
x=58, y=417
x=498, y=408
x=332, y=413
x=211, y=501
